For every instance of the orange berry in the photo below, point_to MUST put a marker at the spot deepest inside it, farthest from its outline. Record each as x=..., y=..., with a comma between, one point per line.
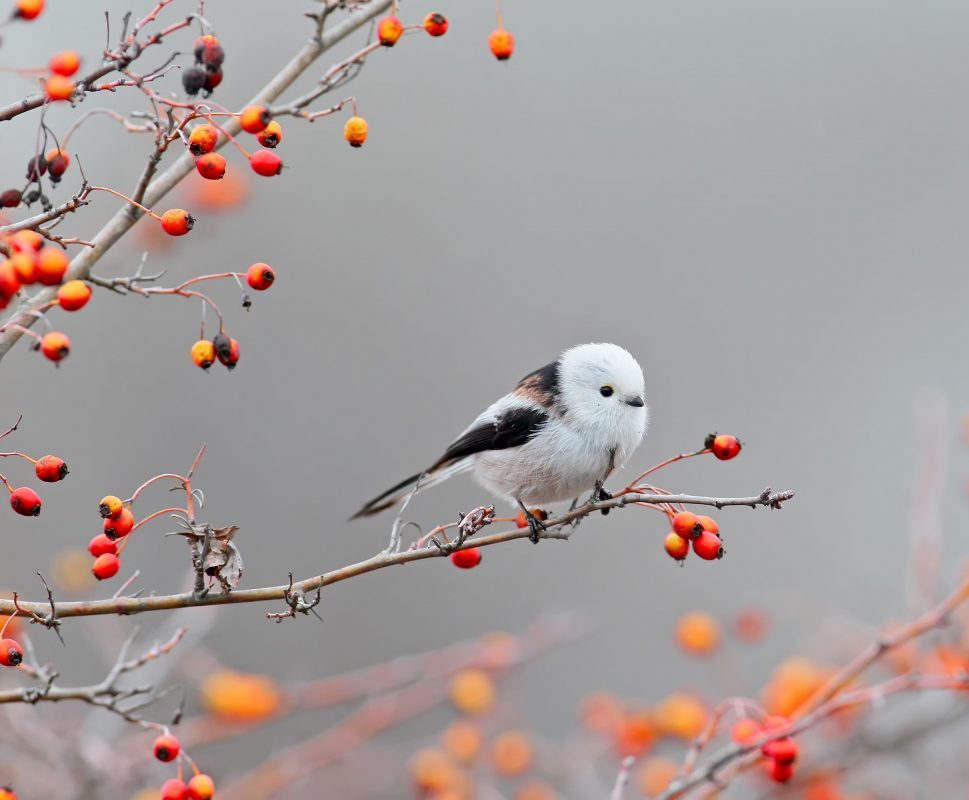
x=512, y=753
x=745, y=730
x=635, y=734
x=50, y=469
x=435, y=24
x=166, y=748
x=177, y=222
x=355, y=131
x=101, y=544
x=698, y=633
x=681, y=715
x=468, y=558
x=389, y=30
x=254, y=118
x=56, y=346
x=11, y=653
x=110, y=507
x=59, y=88
x=117, y=528
x=521, y=521
x=203, y=354
x=210, y=166
x=65, y=63
x=29, y=9
x=271, y=135
x=240, y=696
x=106, y=566
x=201, y=787
x=25, y=265
x=7, y=793
x=52, y=263
x=73, y=295
x=686, y=524
x=25, y=501
x=708, y=524
x=266, y=163
x=677, y=547
x=792, y=684
x=174, y=789
x=27, y=240
x=260, y=276
x=502, y=44
x=473, y=692
x=432, y=772
x=203, y=139
x=462, y=741
x=656, y=775
x=724, y=446
x=708, y=546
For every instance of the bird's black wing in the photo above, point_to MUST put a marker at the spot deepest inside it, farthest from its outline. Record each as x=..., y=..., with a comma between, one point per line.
x=510, y=428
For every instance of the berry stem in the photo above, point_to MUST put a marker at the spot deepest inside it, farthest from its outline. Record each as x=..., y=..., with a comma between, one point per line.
x=666, y=463
x=125, y=198
x=19, y=455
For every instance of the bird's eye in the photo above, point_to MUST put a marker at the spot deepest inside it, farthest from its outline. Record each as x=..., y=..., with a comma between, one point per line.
x=606, y=391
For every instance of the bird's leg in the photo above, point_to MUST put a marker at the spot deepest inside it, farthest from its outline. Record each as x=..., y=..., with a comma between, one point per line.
x=535, y=525
x=599, y=494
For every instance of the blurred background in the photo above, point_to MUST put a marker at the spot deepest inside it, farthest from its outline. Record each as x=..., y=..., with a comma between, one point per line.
x=763, y=201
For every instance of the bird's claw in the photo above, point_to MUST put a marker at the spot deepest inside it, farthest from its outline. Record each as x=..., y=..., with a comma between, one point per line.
x=604, y=495
x=535, y=527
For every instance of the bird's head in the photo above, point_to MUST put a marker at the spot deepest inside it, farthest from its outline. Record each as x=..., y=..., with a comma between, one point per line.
x=602, y=386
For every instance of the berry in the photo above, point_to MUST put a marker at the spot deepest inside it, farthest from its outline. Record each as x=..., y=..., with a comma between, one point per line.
x=202, y=140
x=58, y=87
x=27, y=240
x=194, y=80
x=73, y=295
x=222, y=345
x=201, y=787
x=213, y=77
x=52, y=263
x=56, y=346
x=745, y=730
x=36, y=168
x=57, y=163
x=521, y=521
x=101, y=544
x=106, y=566
x=266, y=163
x=120, y=527
x=29, y=9
x=708, y=546
x=203, y=354
x=725, y=447
x=708, y=524
x=271, y=135
x=25, y=265
x=260, y=276
x=783, y=751
x=167, y=748
x=174, y=789
x=208, y=51
x=466, y=559
x=229, y=357
x=780, y=772
x=435, y=24
x=10, y=198
x=50, y=469
x=686, y=524
x=9, y=280
x=65, y=63
x=110, y=507
x=677, y=547
x=11, y=653
x=177, y=222
x=254, y=119
x=389, y=30
x=355, y=131
x=502, y=44
x=211, y=166
x=25, y=501
x=7, y=793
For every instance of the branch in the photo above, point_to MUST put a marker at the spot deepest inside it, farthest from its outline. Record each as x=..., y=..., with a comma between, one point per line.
x=138, y=605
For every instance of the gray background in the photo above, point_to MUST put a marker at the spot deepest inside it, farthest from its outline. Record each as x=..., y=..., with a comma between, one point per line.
x=763, y=201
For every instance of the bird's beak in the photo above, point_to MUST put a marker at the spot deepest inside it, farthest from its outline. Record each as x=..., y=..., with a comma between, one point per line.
x=636, y=402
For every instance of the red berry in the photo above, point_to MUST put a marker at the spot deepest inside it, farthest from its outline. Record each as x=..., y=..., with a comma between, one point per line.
x=389, y=30
x=55, y=345
x=708, y=524
x=780, y=772
x=73, y=295
x=521, y=520
x=784, y=751
x=120, y=527
x=467, y=558
x=167, y=748
x=10, y=198
x=435, y=24
x=177, y=222
x=65, y=63
x=725, y=447
x=502, y=44
x=101, y=544
x=266, y=163
x=708, y=546
x=50, y=469
x=210, y=166
x=213, y=77
x=11, y=653
x=745, y=730
x=677, y=547
x=7, y=793
x=260, y=276
x=52, y=263
x=106, y=566
x=25, y=501
x=271, y=135
x=686, y=524
x=174, y=789
x=29, y=9
x=228, y=357
x=201, y=787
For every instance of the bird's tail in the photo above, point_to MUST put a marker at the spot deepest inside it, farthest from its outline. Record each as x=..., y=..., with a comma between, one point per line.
x=422, y=480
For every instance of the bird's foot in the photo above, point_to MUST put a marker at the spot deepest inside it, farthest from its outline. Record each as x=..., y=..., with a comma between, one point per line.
x=598, y=495
x=535, y=527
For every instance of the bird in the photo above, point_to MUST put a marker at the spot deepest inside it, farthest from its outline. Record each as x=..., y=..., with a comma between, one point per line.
x=562, y=431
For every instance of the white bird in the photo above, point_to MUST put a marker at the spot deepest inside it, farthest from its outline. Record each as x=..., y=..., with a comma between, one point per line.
x=562, y=431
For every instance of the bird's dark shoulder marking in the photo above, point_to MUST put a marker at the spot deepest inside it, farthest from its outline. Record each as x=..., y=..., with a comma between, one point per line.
x=541, y=386
x=512, y=428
